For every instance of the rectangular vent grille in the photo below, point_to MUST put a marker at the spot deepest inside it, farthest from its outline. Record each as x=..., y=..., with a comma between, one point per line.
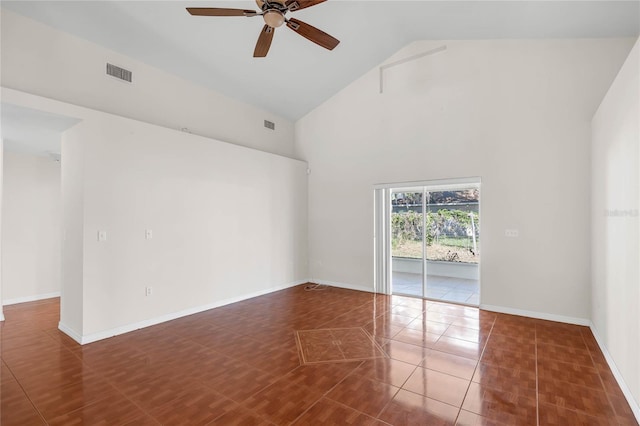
x=269, y=124
x=118, y=72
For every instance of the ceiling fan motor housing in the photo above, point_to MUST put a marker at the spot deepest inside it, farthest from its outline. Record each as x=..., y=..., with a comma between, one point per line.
x=261, y=3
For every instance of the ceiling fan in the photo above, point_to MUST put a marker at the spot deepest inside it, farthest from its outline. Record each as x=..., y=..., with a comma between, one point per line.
x=273, y=12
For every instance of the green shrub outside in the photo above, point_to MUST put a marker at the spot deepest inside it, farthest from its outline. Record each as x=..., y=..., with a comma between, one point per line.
x=446, y=226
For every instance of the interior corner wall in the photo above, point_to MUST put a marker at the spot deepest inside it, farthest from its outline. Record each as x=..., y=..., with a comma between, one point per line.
x=515, y=113
x=44, y=61
x=31, y=228
x=615, y=206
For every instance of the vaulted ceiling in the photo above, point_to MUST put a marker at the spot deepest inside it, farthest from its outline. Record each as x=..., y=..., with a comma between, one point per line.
x=297, y=76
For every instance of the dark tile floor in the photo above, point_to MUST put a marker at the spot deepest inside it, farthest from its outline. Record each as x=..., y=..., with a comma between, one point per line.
x=368, y=360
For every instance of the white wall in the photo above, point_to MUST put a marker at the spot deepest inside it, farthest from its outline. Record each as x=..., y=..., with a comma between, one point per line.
x=514, y=112
x=615, y=203
x=31, y=228
x=72, y=200
x=228, y=222
x=41, y=60
x=1, y=185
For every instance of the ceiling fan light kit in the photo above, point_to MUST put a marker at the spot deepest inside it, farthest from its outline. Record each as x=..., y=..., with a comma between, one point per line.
x=273, y=12
x=273, y=18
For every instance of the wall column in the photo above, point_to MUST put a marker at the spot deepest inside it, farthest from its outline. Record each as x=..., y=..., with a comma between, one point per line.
x=1, y=185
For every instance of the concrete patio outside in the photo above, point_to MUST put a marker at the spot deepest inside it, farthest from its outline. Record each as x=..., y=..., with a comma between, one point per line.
x=449, y=289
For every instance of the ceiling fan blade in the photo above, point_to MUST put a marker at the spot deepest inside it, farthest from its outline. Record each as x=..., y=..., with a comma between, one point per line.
x=294, y=5
x=264, y=42
x=313, y=34
x=216, y=11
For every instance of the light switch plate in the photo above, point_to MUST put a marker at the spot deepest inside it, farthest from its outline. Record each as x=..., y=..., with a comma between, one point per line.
x=512, y=233
x=102, y=235
x=148, y=234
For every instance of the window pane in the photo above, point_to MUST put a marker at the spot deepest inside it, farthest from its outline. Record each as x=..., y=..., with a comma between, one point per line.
x=406, y=225
x=453, y=227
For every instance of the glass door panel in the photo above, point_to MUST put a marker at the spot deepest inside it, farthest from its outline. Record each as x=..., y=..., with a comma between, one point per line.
x=452, y=244
x=407, y=243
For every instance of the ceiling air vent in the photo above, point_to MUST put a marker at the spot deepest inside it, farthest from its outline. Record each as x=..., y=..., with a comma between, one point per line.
x=269, y=124
x=118, y=72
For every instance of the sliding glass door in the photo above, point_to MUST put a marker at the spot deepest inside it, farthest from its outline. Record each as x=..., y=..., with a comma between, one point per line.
x=435, y=242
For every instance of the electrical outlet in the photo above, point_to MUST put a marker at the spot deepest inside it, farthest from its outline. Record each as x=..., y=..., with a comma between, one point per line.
x=512, y=233
x=148, y=291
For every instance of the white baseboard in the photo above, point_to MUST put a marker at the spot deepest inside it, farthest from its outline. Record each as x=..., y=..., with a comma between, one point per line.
x=35, y=298
x=69, y=332
x=343, y=285
x=105, y=334
x=616, y=373
x=534, y=314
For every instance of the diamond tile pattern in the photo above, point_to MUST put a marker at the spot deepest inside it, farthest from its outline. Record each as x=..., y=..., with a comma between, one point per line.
x=295, y=357
x=337, y=344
